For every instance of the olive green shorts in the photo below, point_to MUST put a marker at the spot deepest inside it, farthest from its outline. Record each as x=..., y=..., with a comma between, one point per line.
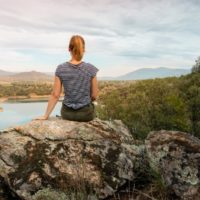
x=84, y=114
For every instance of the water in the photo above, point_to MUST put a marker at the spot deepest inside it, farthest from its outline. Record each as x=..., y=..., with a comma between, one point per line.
x=17, y=113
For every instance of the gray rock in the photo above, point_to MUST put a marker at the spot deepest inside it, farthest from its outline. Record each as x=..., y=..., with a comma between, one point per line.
x=176, y=156
x=97, y=156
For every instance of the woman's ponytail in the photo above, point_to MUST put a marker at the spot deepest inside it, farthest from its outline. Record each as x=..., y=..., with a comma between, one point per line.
x=77, y=46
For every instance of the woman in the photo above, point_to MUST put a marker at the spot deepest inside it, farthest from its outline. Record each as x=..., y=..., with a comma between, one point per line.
x=80, y=85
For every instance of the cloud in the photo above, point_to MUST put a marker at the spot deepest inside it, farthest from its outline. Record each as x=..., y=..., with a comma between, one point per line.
x=123, y=35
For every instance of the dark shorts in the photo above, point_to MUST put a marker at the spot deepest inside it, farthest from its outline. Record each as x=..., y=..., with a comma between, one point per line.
x=84, y=114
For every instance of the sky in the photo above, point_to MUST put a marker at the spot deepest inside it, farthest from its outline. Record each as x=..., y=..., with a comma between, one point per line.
x=120, y=35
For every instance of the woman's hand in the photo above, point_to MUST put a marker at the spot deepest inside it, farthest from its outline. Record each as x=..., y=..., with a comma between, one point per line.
x=41, y=118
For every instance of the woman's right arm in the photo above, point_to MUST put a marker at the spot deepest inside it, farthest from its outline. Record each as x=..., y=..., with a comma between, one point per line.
x=94, y=88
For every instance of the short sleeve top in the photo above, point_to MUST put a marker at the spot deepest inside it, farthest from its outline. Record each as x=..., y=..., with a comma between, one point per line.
x=76, y=80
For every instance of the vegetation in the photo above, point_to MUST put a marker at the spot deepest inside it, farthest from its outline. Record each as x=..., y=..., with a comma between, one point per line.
x=196, y=66
x=50, y=194
x=170, y=103
x=25, y=88
x=190, y=89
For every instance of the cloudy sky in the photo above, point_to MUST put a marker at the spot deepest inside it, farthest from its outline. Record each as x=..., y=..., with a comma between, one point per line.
x=120, y=35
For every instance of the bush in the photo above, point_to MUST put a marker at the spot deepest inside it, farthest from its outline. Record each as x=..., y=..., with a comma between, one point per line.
x=196, y=66
x=49, y=194
x=150, y=105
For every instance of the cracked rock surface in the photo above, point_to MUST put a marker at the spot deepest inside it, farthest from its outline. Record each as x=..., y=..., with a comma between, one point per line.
x=97, y=155
x=176, y=156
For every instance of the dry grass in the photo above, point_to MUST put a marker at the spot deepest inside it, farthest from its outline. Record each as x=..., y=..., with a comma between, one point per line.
x=151, y=192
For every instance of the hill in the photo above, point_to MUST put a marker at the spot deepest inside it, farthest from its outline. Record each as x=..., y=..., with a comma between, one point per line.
x=149, y=73
x=27, y=76
x=140, y=74
x=5, y=73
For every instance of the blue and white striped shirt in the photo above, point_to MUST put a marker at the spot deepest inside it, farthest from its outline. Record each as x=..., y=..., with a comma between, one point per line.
x=76, y=80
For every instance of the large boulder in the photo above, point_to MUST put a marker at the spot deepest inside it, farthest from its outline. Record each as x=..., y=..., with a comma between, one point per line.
x=176, y=156
x=97, y=157
x=44, y=159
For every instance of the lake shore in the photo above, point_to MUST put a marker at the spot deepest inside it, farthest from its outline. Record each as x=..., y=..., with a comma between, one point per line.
x=27, y=98
x=2, y=99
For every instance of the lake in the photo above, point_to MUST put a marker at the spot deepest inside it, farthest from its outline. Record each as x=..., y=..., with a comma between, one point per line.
x=16, y=113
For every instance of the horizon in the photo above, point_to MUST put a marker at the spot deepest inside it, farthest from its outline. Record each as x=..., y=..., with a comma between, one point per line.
x=139, y=34
x=144, y=68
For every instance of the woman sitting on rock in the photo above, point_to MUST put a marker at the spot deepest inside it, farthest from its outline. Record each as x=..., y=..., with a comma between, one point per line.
x=80, y=85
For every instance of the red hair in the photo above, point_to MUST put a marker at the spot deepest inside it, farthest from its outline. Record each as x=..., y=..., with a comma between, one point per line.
x=77, y=46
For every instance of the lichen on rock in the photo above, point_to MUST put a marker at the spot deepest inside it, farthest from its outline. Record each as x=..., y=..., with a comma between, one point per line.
x=55, y=157
x=97, y=156
x=176, y=156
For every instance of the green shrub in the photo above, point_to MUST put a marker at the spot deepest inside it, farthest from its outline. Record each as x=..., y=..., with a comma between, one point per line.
x=49, y=194
x=151, y=105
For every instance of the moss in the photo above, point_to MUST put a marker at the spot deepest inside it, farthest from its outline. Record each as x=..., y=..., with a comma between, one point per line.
x=5, y=192
x=34, y=161
x=112, y=156
x=97, y=146
x=16, y=158
x=110, y=169
x=96, y=160
x=49, y=194
x=113, y=182
x=62, y=154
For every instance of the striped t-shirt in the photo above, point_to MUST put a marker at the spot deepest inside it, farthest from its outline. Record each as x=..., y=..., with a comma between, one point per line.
x=76, y=80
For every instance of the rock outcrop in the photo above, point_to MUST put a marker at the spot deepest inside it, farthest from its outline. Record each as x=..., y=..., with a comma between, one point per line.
x=96, y=156
x=176, y=156
x=44, y=159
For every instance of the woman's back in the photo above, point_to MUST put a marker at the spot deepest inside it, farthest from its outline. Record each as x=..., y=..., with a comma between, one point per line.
x=76, y=80
x=80, y=85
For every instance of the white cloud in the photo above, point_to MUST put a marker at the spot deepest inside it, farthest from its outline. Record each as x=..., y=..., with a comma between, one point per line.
x=120, y=35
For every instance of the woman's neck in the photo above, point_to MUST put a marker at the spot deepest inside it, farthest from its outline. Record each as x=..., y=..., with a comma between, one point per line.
x=73, y=61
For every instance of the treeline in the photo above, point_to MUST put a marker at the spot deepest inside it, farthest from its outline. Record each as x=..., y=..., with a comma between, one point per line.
x=196, y=66
x=25, y=88
x=170, y=103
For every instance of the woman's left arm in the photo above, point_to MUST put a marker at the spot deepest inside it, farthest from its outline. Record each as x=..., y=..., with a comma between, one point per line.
x=55, y=95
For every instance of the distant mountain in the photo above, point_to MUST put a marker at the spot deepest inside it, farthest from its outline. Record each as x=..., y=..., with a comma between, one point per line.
x=106, y=78
x=6, y=73
x=49, y=73
x=140, y=74
x=27, y=76
x=148, y=73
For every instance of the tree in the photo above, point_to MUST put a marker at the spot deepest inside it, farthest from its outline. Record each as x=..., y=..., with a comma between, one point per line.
x=196, y=66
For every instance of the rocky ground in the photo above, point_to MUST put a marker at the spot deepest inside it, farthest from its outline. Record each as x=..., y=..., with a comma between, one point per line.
x=99, y=158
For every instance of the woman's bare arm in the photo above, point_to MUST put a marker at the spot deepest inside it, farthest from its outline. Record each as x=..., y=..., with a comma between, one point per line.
x=57, y=89
x=94, y=88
